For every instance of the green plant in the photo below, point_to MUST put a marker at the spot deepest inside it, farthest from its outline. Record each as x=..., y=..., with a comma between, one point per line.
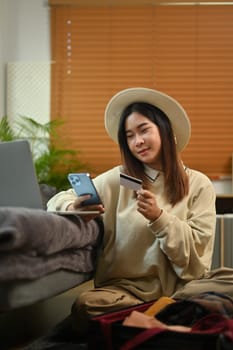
x=52, y=161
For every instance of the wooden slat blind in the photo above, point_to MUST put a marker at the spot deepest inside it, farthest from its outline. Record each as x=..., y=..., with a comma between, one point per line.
x=185, y=51
x=100, y=3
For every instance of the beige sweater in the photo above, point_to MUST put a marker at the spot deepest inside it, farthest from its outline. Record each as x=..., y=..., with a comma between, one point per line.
x=151, y=260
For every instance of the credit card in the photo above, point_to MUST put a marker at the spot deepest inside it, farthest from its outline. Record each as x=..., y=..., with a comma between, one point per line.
x=130, y=182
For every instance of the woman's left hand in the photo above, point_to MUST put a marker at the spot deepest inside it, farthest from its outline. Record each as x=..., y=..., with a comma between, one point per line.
x=147, y=205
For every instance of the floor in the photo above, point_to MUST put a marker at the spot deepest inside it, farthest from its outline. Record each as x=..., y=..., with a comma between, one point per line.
x=21, y=326
x=17, y=347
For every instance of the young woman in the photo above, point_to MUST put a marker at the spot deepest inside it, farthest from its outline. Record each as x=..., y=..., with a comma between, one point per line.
x=157, y=238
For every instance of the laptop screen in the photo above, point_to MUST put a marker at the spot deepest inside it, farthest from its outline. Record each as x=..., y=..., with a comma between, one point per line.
x=18, y=182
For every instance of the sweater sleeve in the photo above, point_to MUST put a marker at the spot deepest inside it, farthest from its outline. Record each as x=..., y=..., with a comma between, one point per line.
x=61, y=200
x=189, y=243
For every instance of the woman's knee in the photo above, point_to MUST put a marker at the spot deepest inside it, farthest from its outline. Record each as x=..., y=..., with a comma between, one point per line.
x=100, y=300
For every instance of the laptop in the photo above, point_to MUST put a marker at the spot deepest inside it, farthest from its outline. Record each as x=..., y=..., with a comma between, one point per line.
x=18, y=181
x=19, y=185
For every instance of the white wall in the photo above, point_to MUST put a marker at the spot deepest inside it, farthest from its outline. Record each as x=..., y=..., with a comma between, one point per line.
x=24, y=37
x=223, y=186
x=2, y=54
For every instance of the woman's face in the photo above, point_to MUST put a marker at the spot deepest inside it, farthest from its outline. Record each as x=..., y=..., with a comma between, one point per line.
x=143, y=139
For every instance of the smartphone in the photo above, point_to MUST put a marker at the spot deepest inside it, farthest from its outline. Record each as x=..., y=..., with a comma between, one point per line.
x=82, y=185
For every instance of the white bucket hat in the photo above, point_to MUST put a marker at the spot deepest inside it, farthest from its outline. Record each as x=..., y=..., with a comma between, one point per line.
x=174, y=111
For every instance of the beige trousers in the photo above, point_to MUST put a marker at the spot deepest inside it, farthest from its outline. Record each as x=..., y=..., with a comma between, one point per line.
x=98, y=301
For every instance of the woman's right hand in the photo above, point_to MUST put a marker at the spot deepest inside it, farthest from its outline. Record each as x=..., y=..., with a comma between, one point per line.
x=77, y=204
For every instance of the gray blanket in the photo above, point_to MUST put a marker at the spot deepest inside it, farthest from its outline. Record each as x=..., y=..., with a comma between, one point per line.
x=34, y=243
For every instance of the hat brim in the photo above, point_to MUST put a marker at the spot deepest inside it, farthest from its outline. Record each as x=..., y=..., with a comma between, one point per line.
x=174, y=111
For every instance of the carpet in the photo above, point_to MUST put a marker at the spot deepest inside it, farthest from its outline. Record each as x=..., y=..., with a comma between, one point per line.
x=60, y=337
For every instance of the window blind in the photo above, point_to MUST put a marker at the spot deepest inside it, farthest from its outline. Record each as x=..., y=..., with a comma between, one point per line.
x=184, y=51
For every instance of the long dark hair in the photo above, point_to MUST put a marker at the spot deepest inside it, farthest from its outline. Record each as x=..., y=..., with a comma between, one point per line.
x=175, y=177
